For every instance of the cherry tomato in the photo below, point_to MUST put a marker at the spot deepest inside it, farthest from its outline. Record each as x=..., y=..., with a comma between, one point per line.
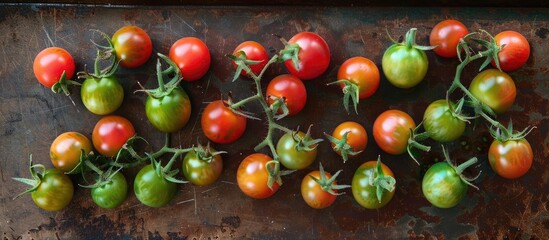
x=313, y=56
x=357, y=137
x=364, y=192
x=362, y=72
x=515, y=52
x=440, y=123
x=54, y=192
x=442, y=185
x=152, y=189
x=50, y=64
x=220, y=124
x=495, y=89
x=102, y=95
x=291, y=89
x=112, y=194
x=510, y=159
x=446, y=35
x=392, y=130
x=192, y=56
x=255, y=52
x=313, y=194
x=110, y=134
x=169, y=113
x=252, y=176
x=404, y=65
x=201, y=172
x=292, y=158
x=66, y=149
x=132, y=46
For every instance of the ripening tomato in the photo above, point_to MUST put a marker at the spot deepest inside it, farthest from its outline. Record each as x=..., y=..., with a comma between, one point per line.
x=362, y=72
x=112, y=194
x=289, y=155
x=313, y=194
x=110, y=134
x=510, y=159
x=66, y=149
x=495, y=89
x=50, y=64
x=170, y=112
x=291, y=89
x=220, y=124
x=102, y=95
x=254, y=52
x=442, y=186
x=405, y=64
x=446, y=36
x=515, y=52
x=357, y=137
x=364, y=189
x=313, y=56
x=252, y=176
x=132, y=46
x=202, y=172
x=440, y=123
x=392, y=129
x=192, y=56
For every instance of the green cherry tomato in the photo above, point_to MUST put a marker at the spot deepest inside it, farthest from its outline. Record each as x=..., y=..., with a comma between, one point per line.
x=440, y=123
x=495, y=89
x=201, y=172
x=151, y=189
x=292, y=158
x=54, y=192
x=112, y=194
x=102, y=95
x=169, y=113
x=364, y=192
x=442, y=185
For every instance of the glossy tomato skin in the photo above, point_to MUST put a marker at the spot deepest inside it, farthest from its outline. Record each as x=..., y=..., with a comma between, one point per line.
x=495, y=89
x=357, y=137
x=50, y=63
x=446, y=35
x=102, y=95
x=110, y=134
x=515, y=53
x=192, y=56
x=510, y=159
x=169, y=113
x=363, y=192
x=132, y=45
x=442, y=186
x=112, y=194
x=255, y=52
x=66, y=149
x=200, y=172
x=252, y=176
x=440, y=124
x=151, y=189
x=54, y=192
x=392, y=130
x=290, y=157
x=361, y=71
x=220, y=124
x=404, y=67
x=313, y=57
x=313, y=194
x=292, y=89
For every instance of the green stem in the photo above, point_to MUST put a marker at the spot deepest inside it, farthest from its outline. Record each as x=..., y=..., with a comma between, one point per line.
x=411, y=38
x=490, y=120
x=245, y=101
x=96, y=69
x=159, y=76
x=463, y=166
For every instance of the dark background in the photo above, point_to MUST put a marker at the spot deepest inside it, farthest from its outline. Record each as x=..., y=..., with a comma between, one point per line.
x=32, y=117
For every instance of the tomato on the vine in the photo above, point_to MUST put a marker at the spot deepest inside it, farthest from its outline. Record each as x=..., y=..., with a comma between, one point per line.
x=446, y=36
x=290, y=156
x=192, y=56
x=511, y=158
x=50, y=64
x=312, y=191
x=110, y=134
x=362, y=72
x=66, y=149
x=367, y=187
x=254, y=52
x=112, y=194
x=441, y=123
x=169, y=113
x=515, y=52
x=102, y=95
x=289, y=88
x=392, y=129
x=152, y=189
x=220, y=124
x=252, y=176
x=201, y=171
x=495, y=89
x=132, y=46
x=357, y=138
x=313, y=57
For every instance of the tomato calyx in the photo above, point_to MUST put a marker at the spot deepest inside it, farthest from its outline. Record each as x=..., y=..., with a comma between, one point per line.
x=243, y=64
x=205, y=153
x=326, y=184
x=275, y=174
x=279, y=104
x=305, y=143
x=381, y=181
x=37, y=173
x=341, y=145
x=63, y=84
x=460, y=168
x=504, y=134
x=410, y=41
x=290, y=51
x=414, y=142
x=351, y=91
x=164, y=89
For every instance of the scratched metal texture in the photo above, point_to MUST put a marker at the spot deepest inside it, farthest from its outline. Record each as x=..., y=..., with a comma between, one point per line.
x=32, y=116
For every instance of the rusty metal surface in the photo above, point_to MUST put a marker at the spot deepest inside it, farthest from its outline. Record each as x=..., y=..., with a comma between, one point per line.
x=32, y=116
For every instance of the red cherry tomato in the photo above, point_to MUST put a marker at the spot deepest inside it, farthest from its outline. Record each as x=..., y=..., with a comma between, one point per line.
x=290, y=88
x=252, y=176
x=446, y=35
x=110, y=134
x=313, y=194
x=50, y=64
x=512, y=158
x=357, y=137
x=132, y=46
x=515, y=52
x=220, y=124
x=361, y=71
x=192, y=56
x=313, y=57
x=392, y=130
x=254, y=51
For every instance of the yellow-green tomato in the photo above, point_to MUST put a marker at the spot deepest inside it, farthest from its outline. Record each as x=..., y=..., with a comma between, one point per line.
x=169, y=113
x=54, y=192
x=440, y=123
x=201, y=172
x=404, y=66
x=290, y=156
x=112, y=194
x=364, y=192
